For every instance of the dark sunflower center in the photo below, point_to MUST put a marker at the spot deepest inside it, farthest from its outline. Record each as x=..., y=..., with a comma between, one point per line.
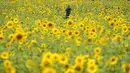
x=19, y=37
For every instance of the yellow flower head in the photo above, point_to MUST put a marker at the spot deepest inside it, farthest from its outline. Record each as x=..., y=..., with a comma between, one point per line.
x=51, y=25
x=7, y=63
x=70, y=71
x=55, y=56
x=4, y=55
x=91, y=61
x=10, y=24
x=49, y=70
x=30, y=63
x=70, y=23
x=11, y=36
x=92, y=68
x=78, y=67
x=1, y=37
x=97, y=50
x=113, y=60
x=126, y=67
x=63, y=59
x=15, y=20
x=11, y=70
x=19, y=36
x=48, y=56
x=79, y=60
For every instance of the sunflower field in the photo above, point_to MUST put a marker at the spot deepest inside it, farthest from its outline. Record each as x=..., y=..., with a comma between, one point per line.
x=35, y=36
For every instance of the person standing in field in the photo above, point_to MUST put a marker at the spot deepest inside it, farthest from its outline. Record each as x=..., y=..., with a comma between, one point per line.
x=68, y=10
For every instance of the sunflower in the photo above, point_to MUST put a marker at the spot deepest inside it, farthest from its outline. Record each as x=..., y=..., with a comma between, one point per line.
x=63, y=59
x=19, y=36
x=103, y=41
x=45, y=62
x=11, y=69
x=38, y=22
x=30, y=63
x=1, y=37
x=121, y=20
x=48, y=56
x=50, y=25
x=7, y=63
x=111, y=23
x=44, y=25
x=126, y=67
x=55, y=56
x=93, y=30
x=10, y=24
x=15, y=20
x=63, y=30
x=91, y=61
x=85, y=57
x=92, y=68
x=11, y=36
x=79, y=60
x=69, y=33
x=4, y=55
x=124, y=29
x=97, y=50
x=55, y=30
x=118, y=38
x=49, y=70
x=76, y=33
x=113, y=60
x=20, y=48
x=98, y=58
x=70, y=71
x=78, y=67
x=70, y=23
x=115, y=29
x=66, y=67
